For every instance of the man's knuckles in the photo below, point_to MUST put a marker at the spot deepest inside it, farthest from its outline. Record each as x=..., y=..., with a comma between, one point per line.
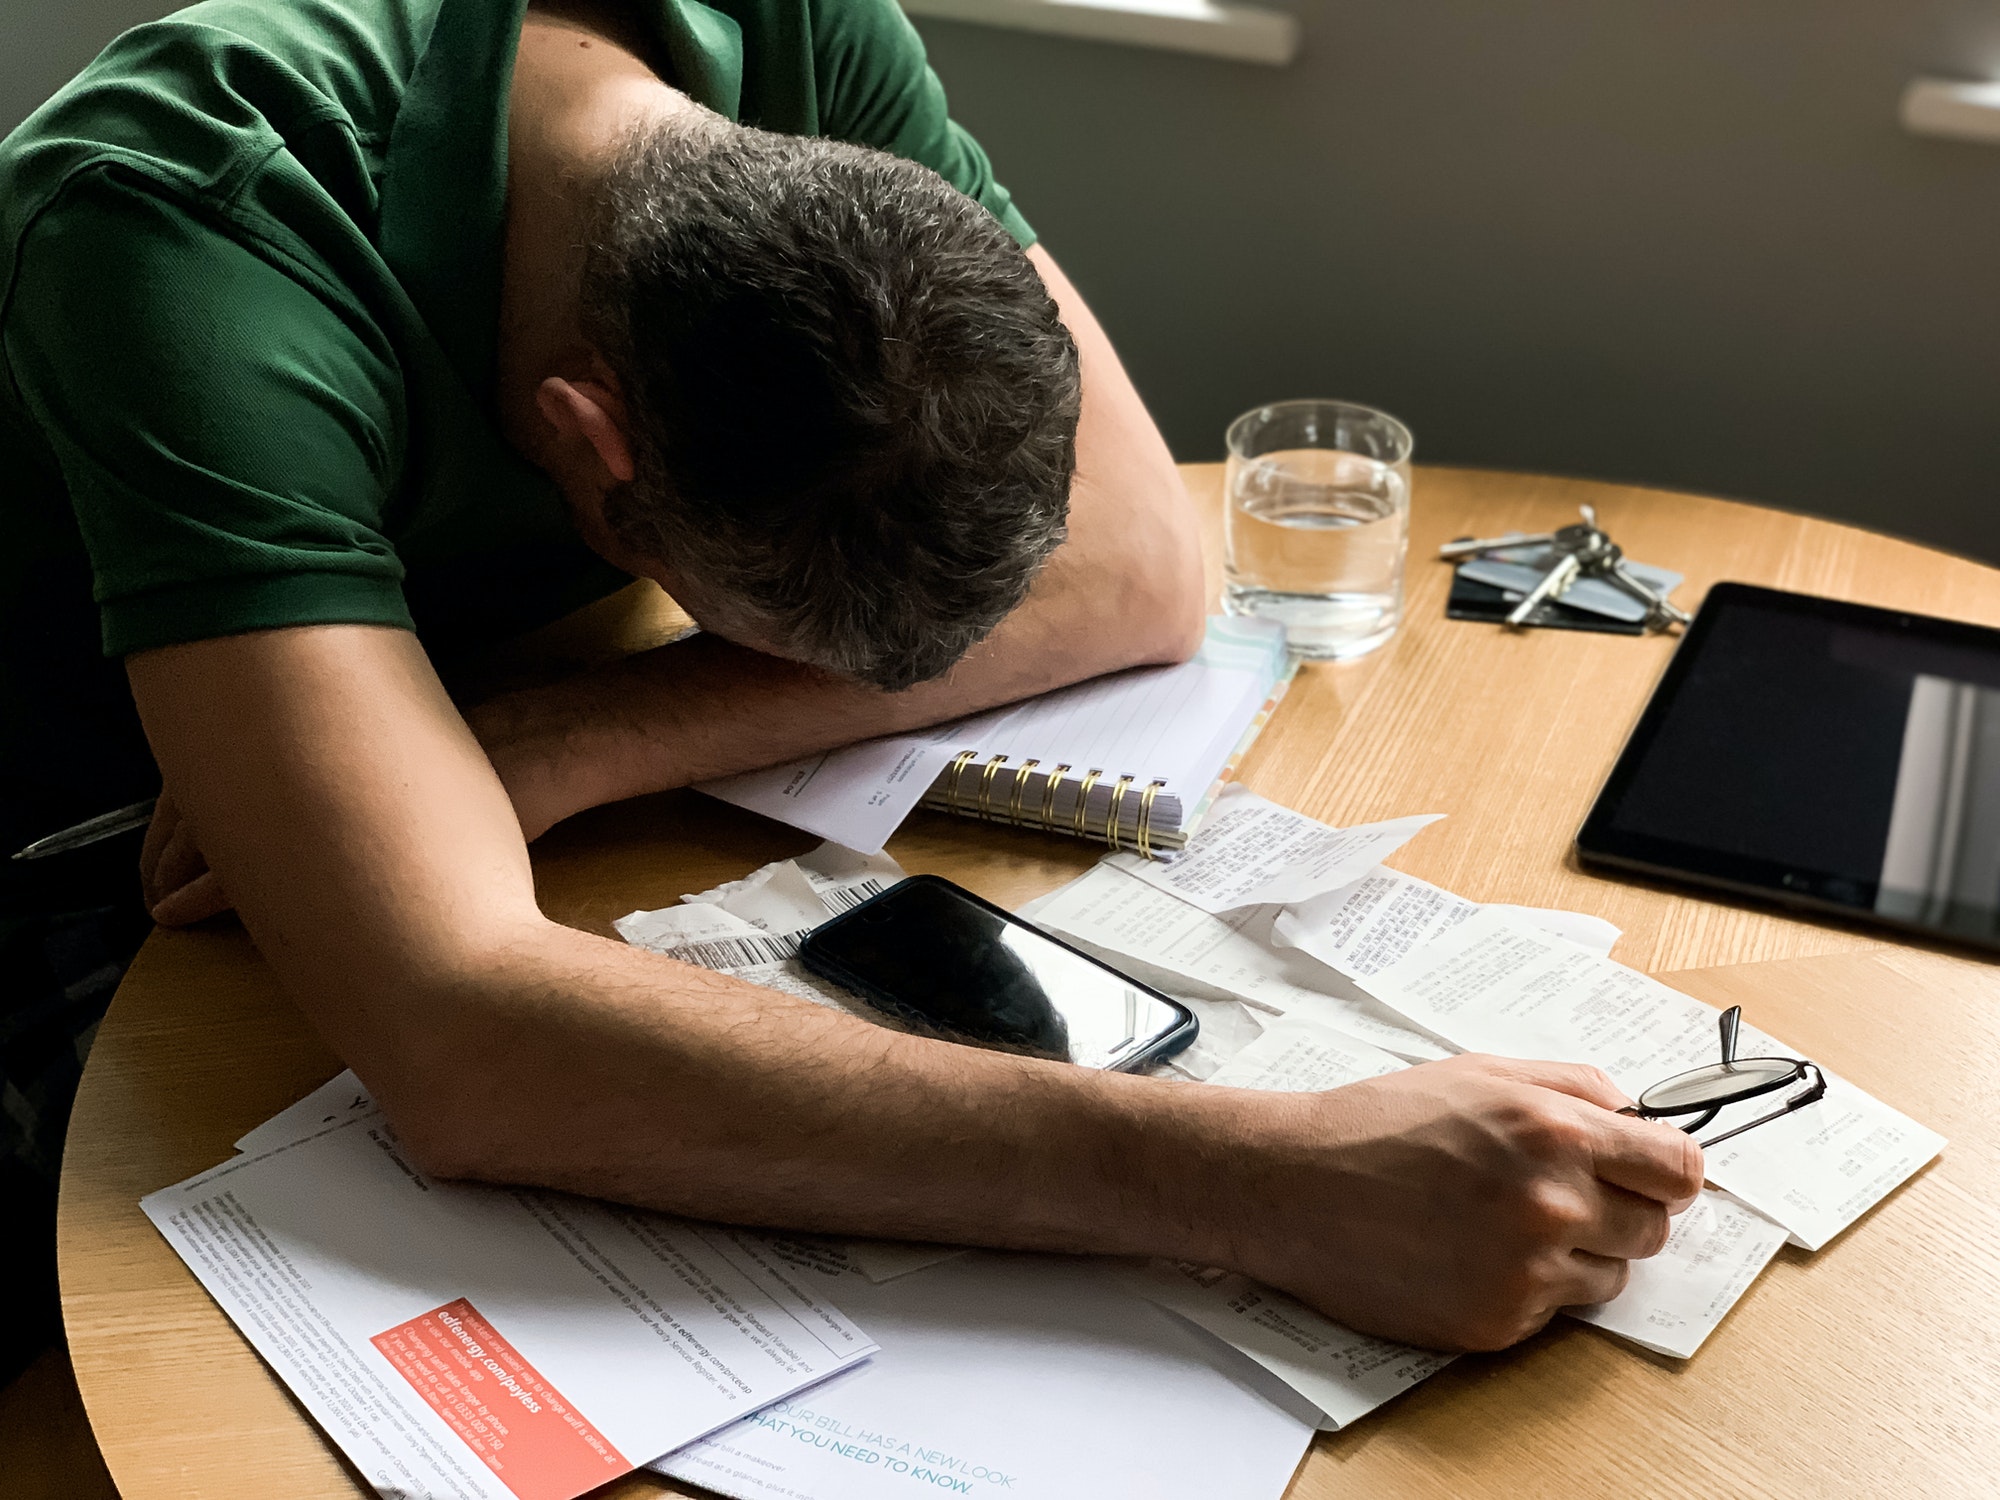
x=1579, y=1080
x=1551, y=1213
x=1539, y=1126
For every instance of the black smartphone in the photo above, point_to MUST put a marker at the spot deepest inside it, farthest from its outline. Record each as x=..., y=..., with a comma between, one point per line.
x=932, y=953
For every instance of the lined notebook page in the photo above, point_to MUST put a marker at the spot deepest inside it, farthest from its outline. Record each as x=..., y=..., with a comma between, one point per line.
x=1177, y=724
x=1155, y=723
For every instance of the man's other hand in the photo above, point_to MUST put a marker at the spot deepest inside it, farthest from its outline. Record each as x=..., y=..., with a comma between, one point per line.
x=178, y=886
x=1460, y=1204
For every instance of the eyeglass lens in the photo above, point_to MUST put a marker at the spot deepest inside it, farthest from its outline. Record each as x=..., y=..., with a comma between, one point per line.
x=1720, y=1083
x=1705, y=1092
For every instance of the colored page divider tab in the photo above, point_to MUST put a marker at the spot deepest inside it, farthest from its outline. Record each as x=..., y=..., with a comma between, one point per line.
x=518, y=1424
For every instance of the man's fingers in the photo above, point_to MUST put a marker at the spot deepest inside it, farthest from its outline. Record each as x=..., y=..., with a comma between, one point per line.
x=1648, y=1158
x=1594, y=1278
x=180, y=863
x=159, y=831
x=197, y=901
x=1577, y=1079
x=1626, y=1226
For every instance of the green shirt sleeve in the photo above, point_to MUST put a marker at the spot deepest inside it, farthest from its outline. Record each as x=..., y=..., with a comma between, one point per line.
x=229, y=434
x=877, y=88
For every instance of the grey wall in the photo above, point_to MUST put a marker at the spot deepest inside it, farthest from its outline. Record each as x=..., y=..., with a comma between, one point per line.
x=43, y=42
x=1675, y=241
x=1681, y=242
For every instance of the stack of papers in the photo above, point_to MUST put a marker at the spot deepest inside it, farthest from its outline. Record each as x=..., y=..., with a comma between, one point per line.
x=459, y=1340
x=1003, y=1375
x=1272, y=1016
x=1339, y=982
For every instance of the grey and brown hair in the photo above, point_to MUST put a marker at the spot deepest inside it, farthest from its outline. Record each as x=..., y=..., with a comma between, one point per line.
x=851, y=401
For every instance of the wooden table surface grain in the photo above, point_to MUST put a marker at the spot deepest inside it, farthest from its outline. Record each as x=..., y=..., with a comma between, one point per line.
x=1869, y=1369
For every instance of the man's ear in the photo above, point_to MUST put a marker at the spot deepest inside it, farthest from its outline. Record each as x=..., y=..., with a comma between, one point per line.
x=588, y=416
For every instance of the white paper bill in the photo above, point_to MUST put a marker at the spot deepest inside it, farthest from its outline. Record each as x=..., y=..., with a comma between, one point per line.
x=1344, y=1374
x=1493, y=985
x=1252, y=852
x=1166, y=942
x=844, y=878
x=855, y=796
x=1586, y=931
x=778, y=898
x=1226, y=1027
x=751, y=928
x=885, y=1260
x=712, y=937
x=466, y=1341
x=1006, y=1376
x=794, y=894
x=1676, y=1299
x=340, y=1098
x=1672, y=1302
x=1297, y=1056
x=1374, y=922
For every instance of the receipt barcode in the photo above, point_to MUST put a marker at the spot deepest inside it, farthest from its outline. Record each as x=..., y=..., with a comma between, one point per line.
x=847, y=897
x=737, y=953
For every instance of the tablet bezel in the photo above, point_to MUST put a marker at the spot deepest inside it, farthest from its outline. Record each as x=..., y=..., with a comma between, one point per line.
x=1600, y=846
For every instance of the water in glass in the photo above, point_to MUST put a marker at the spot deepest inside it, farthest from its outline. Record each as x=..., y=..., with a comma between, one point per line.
x=1316, y=540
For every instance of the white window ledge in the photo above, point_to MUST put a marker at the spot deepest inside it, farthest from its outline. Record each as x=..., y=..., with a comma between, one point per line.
x=1953, y=109
x=1241, y=33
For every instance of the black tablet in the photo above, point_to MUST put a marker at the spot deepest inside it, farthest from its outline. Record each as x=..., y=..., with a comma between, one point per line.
x=1828, y=756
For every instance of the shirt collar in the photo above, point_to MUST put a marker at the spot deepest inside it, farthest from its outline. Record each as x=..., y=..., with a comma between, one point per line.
x=444, y=191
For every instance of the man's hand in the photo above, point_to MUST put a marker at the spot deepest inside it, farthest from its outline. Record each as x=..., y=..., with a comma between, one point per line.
x=178, y=886
x=1461, y=1203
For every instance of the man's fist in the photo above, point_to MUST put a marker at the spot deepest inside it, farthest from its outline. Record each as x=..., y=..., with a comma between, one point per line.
x=179, y=887
x=1458, y=1204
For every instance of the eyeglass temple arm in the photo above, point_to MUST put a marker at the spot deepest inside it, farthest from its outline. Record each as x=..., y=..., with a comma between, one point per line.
x=1730, y=1021
x=1811, y=1094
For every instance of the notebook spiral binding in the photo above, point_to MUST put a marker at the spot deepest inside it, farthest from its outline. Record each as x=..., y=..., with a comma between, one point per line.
x=983, y=806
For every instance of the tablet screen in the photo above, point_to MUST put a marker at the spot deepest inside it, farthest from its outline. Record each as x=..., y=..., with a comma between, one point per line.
x=1830, y=755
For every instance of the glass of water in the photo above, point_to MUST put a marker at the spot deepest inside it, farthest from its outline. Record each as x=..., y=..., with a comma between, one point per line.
x=1317, y=523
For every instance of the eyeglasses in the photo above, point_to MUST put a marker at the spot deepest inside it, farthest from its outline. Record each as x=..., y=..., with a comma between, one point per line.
x=1706, y=1092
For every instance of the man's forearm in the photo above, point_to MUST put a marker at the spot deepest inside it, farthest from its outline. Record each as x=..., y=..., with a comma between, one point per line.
x=668, y=1086
x=703, y=707
x=375, y=863
x=1458, y=1203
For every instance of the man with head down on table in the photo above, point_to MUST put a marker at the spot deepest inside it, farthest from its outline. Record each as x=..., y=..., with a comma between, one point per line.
x=343, y=336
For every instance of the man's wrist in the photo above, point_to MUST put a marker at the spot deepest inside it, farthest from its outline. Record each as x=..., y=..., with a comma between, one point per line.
x=1182, y=1163
x=530, y=742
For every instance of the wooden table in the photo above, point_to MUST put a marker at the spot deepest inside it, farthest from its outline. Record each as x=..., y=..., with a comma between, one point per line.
x=1870, y=1369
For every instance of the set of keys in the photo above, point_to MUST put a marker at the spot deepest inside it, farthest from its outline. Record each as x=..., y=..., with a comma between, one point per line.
x=1581, y=550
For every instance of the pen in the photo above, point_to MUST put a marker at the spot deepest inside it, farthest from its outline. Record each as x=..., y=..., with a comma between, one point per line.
x=91, y=831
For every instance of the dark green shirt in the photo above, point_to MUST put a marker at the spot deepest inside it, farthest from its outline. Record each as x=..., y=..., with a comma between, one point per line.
x=249, y=292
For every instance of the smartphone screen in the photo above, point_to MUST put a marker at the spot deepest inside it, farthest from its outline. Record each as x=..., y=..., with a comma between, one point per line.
x=936, y=954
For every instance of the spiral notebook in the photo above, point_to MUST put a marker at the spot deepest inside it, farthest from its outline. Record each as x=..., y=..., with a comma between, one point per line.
x=1132, y=760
